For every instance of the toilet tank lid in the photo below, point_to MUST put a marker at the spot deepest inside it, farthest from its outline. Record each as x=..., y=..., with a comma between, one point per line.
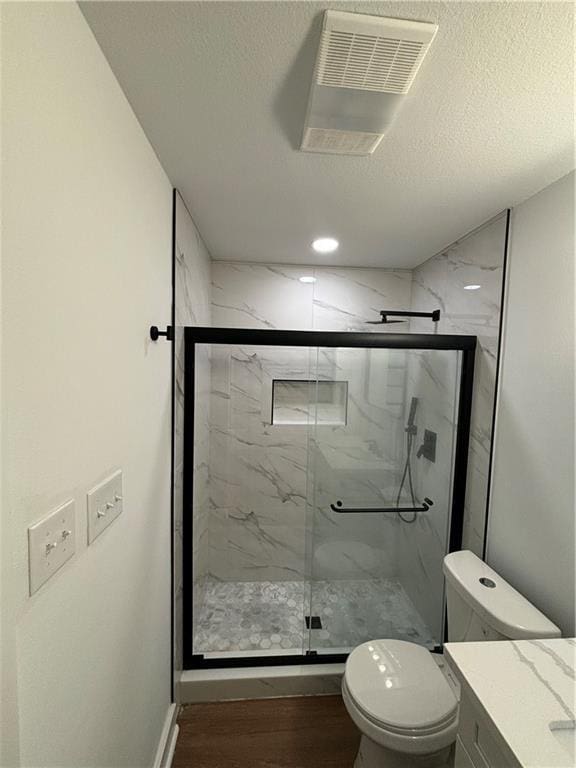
x=494, y=600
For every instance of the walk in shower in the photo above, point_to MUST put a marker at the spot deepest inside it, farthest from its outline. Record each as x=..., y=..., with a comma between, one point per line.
x=324, y=482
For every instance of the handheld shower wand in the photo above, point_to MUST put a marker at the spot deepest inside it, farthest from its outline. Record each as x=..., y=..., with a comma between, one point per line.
x=410, y=426
x=411, y=430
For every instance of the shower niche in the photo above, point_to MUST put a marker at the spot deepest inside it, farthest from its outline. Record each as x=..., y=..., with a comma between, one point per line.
x=297, y=401
x=314, y=517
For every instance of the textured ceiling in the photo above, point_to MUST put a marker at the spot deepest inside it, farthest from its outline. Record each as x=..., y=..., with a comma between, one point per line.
x=221, y=90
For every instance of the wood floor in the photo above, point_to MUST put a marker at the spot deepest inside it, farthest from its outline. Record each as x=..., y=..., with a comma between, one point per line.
x=297, y=732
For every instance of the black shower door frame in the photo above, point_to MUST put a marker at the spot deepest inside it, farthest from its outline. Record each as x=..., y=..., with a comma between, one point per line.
x=345, y=339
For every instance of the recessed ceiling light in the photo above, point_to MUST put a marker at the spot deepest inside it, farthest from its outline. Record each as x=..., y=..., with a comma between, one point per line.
x=325, y=245
x=472, y=287
x=307, y=279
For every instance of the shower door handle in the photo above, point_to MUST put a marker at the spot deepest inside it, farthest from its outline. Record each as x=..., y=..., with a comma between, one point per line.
x=426, y=504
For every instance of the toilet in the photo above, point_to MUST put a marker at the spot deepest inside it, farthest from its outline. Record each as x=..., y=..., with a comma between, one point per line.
x=403, y=698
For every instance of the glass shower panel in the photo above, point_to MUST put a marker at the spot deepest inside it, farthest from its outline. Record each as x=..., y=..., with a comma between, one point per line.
x=379, y=498
x=249, y=518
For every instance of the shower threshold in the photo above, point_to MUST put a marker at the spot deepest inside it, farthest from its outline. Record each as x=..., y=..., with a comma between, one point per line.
x=264, y=619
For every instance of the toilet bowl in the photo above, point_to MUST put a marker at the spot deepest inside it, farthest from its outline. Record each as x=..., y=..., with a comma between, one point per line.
x=404, y=705
x=403, y=698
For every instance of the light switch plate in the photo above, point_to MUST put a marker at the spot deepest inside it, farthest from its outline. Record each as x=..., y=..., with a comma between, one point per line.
x=51, y=542
x=104, y=504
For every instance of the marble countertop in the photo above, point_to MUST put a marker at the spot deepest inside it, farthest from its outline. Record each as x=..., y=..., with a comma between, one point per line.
x=527, y=688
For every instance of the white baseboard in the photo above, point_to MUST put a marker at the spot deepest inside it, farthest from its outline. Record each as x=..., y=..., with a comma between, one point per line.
x=167, y=742
x=171, y=747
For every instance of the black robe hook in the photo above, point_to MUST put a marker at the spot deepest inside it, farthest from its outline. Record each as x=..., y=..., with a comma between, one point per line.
x=155, y=333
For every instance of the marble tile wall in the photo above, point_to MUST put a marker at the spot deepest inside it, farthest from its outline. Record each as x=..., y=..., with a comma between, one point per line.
x=192, y=307
x=262, y=506
x=477, y=259
x=271, y=296
x=358, y=465
x=267, y=480
x=433, y=377
x=257, y=515
x=257, y=471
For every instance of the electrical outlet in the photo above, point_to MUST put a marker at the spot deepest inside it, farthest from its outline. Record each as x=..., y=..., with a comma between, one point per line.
x=51, y=542
x=104, y=505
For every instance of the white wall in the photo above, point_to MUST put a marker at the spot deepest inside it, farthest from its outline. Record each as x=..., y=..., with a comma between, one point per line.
x=86, y=270
x=531, y=522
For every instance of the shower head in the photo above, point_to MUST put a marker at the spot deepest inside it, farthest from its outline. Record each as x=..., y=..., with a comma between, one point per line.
x=384, y=321
x=385, y=315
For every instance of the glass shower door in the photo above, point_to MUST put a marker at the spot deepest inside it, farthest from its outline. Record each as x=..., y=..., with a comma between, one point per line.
x=380, y=476
x=318, y=484
x=253, y=411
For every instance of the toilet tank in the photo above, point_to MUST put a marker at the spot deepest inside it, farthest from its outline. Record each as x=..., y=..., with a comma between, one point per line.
x=482, y=606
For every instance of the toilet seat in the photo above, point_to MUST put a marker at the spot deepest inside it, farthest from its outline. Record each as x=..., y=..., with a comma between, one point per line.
x=432, y=729
x=397, y=695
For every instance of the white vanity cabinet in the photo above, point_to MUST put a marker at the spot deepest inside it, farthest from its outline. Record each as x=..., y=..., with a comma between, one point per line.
x=479, y=745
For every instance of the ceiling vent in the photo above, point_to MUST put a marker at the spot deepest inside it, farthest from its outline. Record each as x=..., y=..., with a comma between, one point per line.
x=340, y=142
x=364, y=67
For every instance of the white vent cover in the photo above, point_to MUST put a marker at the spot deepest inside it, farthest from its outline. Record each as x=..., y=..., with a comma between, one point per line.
x=364, y=66
x=340, y=142
x=371, y=53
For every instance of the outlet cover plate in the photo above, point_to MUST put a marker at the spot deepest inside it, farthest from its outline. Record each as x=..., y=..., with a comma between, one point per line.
x=104, y=504
x=51, y=542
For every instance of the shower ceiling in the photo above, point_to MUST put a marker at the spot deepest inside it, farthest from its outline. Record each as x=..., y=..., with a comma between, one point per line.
x=221, y=90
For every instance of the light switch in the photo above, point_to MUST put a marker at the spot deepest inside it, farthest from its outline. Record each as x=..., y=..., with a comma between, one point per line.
x=51, y=542
x=104, y=504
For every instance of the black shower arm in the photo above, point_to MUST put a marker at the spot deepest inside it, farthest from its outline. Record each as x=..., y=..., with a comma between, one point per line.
x=426, y=504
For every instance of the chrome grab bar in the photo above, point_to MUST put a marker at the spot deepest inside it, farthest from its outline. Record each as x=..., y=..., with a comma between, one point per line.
x=426, y=504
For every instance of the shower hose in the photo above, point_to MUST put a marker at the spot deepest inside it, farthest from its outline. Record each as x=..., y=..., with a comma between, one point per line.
x=407, y=473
